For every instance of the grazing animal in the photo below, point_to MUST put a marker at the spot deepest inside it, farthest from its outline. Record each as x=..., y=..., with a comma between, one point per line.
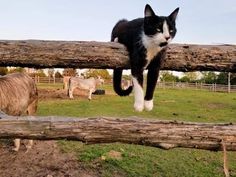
x=66, y=82
x=89, y=84
x=146, y=40
x=18, y=95
x=125, y=84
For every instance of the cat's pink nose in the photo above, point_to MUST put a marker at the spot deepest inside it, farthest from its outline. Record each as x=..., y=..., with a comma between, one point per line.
x=167, y=38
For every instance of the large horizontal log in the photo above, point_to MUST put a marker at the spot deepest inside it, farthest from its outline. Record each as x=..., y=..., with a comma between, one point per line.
x=78, y=54
x=161, y=134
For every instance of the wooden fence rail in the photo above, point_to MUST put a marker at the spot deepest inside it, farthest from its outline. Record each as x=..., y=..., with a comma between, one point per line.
x=161, y=134
x=77, y=54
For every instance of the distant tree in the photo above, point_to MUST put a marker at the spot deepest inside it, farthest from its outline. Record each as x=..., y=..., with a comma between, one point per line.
x=185, y=79
x=69, y=72
x=168, y=77
x=17, y=69
x=209, y=77
x=3, y=70
x=51, y=72
x=222, y=78
x=40, y=73
x=233, y=78
x=192, y=76
x=98, y=72
x=58, y=75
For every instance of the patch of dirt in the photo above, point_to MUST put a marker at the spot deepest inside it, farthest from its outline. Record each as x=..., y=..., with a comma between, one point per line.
x=216, y=105
x=60, y=94
x=43, y=160
x=45, y=94
x=112, y=155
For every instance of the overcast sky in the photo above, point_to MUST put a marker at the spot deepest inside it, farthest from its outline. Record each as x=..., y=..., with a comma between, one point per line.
x=199, y=21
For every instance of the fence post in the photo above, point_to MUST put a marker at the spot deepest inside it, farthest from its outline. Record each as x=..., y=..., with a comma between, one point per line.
x=35, y=79
x=229, y=85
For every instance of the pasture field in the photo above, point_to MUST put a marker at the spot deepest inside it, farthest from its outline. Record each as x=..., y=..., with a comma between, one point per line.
x=50, y=86
x=140, y=161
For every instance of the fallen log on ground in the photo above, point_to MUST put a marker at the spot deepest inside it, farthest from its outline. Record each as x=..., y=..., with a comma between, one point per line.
x=108, y=55
x=161, y=134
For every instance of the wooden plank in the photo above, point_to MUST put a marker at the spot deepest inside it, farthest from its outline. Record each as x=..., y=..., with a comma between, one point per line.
x=101, y=55
x=156, y=133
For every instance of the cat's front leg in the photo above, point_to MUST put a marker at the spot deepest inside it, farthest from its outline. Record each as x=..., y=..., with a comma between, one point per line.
x=138, y=92
x=152, y=77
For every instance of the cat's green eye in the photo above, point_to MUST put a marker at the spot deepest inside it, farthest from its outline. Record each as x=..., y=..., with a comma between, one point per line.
x=158, y=30
x=171, y=31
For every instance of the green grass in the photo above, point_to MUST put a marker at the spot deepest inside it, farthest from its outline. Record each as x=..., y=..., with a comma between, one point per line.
x=186, y=105
x=140, y=161
x=148, y=161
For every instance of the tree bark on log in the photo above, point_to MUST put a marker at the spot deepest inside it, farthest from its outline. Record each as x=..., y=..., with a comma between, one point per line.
x=161, y=134
x=107, y=55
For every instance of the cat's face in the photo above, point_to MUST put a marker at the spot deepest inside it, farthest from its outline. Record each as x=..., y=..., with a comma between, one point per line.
x=159, y=30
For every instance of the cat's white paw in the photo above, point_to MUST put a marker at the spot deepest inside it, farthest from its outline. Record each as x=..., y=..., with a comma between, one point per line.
x=148, y=105
x=138, y=96
x=138, y=106
x=116, y=39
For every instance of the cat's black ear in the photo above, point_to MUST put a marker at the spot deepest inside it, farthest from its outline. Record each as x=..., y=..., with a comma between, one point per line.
x=174, y=14
x=148, y=12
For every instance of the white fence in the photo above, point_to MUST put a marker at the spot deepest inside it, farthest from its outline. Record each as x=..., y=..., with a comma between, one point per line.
x=197, y=86
x=174, y=85
x=47, y=80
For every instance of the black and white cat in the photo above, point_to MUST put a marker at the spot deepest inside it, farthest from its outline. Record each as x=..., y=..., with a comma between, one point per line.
x=146, y=40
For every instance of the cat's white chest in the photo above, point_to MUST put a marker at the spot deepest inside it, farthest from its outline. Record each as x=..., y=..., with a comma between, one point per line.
x=152, y=47
x=152, y=52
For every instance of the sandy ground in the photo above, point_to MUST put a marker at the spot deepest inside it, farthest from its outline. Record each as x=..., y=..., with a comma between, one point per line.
x=45, y=94
x=59, y=94
x=43, y=160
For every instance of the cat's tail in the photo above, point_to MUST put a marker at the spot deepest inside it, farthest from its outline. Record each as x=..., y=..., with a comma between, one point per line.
x=117, y=77
x=119, y=27
x=117, y=74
